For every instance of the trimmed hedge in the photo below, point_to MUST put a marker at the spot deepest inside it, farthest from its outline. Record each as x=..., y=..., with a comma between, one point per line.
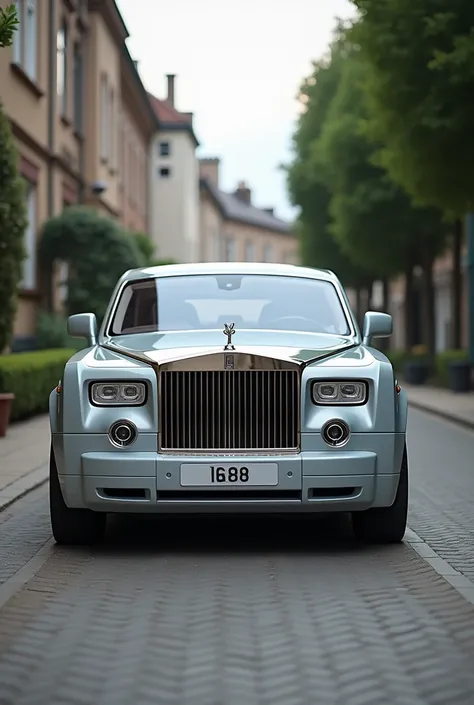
x=31, y=376
x=442, y=362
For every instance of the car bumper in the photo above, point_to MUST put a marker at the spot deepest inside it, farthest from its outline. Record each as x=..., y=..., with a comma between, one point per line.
x=316, y=480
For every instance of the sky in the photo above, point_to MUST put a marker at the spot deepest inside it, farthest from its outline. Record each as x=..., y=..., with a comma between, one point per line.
x=238, y=68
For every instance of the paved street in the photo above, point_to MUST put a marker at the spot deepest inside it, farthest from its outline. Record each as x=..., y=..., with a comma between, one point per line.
x=246, y=612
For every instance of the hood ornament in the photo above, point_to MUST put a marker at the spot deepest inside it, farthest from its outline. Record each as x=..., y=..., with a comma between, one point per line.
x=229, y=331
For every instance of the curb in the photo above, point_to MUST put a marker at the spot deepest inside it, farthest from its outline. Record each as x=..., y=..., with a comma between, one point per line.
x=453, y=418
x=23, y=486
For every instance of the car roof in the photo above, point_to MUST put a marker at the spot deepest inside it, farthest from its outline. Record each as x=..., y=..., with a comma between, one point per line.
x=198, y=268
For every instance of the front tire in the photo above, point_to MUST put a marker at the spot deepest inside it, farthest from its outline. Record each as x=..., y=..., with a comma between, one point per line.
x=72, y=527
x=385, y=524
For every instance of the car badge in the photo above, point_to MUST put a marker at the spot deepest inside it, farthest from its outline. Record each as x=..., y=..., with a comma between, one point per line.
x=229, y=362
x=229, y=331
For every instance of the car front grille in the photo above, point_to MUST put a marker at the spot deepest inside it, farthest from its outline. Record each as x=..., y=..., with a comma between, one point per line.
x=229, y=410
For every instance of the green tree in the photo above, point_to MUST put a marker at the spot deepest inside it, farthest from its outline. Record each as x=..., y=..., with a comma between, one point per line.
x=146, y=247
x=8, y=25
x=13, y=222
x=419, y=85
x=98, y=253
x=307, y=189
x=373, y=219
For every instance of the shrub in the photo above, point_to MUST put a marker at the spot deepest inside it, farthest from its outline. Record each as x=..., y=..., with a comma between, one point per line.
x=442, y=362
x=13, y=222
x=51, y=332
x=31, y=376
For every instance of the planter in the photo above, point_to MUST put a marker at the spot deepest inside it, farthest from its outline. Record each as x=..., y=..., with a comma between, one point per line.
x=6, y=401
x=460, y=376
x=416, y=372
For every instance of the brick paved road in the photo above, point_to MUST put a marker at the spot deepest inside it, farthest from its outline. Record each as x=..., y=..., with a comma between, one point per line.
x=245, y=612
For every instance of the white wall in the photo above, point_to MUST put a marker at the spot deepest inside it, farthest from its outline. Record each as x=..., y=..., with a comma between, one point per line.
x=174, y=200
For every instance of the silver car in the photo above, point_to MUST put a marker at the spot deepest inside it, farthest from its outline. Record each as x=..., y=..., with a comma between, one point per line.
x=228, y=387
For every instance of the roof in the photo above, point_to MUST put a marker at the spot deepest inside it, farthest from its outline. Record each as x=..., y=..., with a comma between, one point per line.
x=258, y=268
x=171, y=119
x=233, y=208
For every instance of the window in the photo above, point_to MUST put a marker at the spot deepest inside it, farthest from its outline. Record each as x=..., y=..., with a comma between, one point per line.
x=229, y=249
x=267, y=253
x=24, y=39
x=104, y=118
x=78, y=83
x=165, y=172
x=29, y=263
x=165, y=149
x=251, y=301
x=249, y=252
x=62, y=67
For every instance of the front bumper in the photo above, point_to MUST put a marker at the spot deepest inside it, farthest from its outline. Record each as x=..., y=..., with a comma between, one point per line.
x=314, y=480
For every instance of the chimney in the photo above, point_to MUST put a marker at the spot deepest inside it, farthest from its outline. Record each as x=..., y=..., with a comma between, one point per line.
x=243, y=193
x=170, y=77
x=271, y=211
x=209, y=169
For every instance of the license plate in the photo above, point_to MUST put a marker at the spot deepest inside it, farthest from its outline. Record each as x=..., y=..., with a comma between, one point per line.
x=229, y=474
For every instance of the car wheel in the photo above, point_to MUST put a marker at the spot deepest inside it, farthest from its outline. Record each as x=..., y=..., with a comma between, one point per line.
x=385, y=524
x=73, y=527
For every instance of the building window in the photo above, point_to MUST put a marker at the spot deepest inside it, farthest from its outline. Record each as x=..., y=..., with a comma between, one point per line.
x=29, y=263
x=62, y=67
x=78, y=83
x=249, y=252
x=165, y=172
x=230, y=249
x=24, y=39
x=165, y=149
x=267, y=253
x=104, y=119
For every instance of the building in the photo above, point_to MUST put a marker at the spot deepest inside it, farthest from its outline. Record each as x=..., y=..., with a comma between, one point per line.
x=72, y=149
x=174, y=181
x=233, y=229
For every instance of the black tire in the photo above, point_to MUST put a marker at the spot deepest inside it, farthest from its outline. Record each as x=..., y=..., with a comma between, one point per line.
x=385, y=524
x=72, y=527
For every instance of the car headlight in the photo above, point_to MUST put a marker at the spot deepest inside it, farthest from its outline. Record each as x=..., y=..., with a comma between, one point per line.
x=340, y=392
x=118, y=393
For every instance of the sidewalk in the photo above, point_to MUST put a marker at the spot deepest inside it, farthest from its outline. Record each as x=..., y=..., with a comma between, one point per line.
x=24, y=458
x=24, y=452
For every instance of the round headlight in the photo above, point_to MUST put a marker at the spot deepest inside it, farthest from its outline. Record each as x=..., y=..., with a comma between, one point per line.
x=122, y=433
x=336, y=433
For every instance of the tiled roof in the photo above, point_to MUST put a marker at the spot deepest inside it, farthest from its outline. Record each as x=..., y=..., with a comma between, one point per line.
x=233, y=208
x=170, y=118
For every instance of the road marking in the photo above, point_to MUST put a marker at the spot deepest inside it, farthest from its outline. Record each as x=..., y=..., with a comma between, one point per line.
x=457, y=580
x=11, y=586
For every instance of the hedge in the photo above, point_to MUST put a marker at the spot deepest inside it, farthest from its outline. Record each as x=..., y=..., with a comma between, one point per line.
x=31, y=376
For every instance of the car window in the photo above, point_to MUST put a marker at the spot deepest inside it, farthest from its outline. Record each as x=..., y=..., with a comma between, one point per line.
x=250, y=301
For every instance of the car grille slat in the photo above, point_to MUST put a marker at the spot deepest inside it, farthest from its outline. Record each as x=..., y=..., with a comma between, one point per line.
x=229, y=410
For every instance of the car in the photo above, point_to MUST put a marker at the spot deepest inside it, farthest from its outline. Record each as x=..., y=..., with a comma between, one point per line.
x=228, y=388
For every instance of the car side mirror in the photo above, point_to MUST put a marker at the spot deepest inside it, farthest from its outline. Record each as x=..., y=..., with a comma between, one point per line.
x=83, y=325
x=376, y=325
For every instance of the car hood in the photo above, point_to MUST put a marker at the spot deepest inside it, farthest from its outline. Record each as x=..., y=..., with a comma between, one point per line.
x=161, y=347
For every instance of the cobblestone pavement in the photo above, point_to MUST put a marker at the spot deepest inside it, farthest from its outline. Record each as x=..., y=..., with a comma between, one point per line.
x=247, y=612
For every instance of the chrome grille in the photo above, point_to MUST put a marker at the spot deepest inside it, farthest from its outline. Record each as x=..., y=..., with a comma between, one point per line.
x=229, y=410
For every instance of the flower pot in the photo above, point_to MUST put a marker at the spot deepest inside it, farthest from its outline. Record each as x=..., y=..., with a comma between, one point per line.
x=416, y=372
x=6, y=401
x=460, y=376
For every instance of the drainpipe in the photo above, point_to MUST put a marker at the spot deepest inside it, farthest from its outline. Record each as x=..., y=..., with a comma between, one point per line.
x=51, y=103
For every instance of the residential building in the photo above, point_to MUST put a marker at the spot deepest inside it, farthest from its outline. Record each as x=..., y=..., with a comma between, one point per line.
x=73, y=150
x=174, y=181
x=232, y=228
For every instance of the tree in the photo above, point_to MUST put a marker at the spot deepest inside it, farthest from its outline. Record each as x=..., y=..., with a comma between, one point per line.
x=373, y=218
x=306, y=187
x=419, y=82
x=13, y=222
x=98, y=253
x=146, y=247
x=8, y=25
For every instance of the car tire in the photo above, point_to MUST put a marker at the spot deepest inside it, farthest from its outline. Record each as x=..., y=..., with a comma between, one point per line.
x=72, y=527
x=385, y=524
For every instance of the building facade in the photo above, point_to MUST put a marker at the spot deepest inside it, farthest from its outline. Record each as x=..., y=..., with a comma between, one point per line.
x=232, y=229
x=174, y=182
x=81, y=121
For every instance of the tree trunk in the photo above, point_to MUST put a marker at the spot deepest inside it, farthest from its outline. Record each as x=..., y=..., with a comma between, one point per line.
x=409, y=308
x=428, y=308
x=456, y=286
x=385, y=295
x=358, y=304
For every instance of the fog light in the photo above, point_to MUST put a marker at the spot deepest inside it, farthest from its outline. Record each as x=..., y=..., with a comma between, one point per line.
x=122, y=433
x=336, y=433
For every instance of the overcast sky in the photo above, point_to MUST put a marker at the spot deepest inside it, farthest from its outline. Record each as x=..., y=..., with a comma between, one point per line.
x=238, y=68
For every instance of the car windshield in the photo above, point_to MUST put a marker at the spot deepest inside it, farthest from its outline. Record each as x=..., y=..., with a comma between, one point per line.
x=192, y=302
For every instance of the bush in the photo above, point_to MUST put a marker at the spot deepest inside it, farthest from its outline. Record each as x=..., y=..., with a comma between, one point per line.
x=31, y=376
x=51, y=332
x=442, y=362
